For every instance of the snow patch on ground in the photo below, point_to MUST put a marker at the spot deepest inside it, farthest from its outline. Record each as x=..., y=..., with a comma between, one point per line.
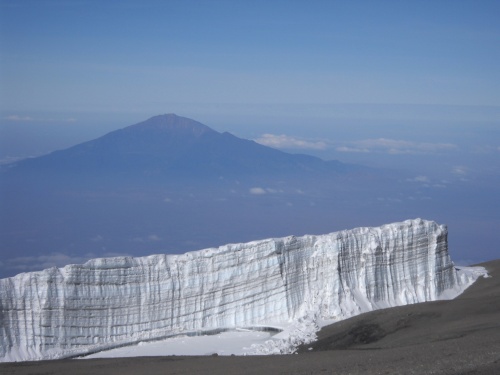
x=238, y=342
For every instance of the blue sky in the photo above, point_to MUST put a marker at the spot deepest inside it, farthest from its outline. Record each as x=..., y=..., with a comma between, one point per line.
x=206, y=57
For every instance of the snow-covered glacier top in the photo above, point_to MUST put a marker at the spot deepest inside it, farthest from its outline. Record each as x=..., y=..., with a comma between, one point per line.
x=293, y=282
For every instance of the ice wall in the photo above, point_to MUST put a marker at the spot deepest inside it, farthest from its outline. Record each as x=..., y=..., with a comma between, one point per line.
x=115, y=301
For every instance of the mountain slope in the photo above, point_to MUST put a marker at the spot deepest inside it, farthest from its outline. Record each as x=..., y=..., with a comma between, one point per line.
x=170, y=146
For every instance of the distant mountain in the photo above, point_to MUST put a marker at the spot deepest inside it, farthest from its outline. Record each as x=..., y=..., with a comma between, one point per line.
x=170, y=147
x=170, y=184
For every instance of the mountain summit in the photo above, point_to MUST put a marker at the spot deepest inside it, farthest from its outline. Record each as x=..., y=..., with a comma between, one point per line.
x=173, y=124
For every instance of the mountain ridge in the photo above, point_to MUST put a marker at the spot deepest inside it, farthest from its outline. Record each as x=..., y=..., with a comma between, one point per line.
x=171, y=146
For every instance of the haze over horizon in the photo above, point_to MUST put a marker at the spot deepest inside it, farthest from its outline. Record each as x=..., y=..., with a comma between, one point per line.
x=411, y=86
x=350, y=80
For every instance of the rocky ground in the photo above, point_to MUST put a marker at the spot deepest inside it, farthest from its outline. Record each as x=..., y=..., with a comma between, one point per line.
x=461, y=336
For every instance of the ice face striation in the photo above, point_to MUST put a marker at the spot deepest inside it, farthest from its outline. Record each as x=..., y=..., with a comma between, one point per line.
x=111, y=302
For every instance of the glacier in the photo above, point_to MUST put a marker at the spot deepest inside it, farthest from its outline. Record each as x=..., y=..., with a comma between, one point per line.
x=292, y=283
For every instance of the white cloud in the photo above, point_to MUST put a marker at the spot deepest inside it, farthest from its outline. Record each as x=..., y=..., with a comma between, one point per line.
x=288, y=142
x=426, y=182
x=459, y=170
x=261, y=191
x=351, y=149
x=19, y=118
x=257, y=191
x=395, y=146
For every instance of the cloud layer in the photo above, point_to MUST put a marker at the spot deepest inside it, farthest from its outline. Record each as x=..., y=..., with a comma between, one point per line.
x=288, y=142
x=396, y=146
x=21, y=118
x=372, y=145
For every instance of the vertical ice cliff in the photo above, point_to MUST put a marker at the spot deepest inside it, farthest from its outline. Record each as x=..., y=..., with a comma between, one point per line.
x=116, y=301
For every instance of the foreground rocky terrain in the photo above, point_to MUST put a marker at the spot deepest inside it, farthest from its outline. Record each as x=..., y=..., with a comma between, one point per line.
x=460, y=336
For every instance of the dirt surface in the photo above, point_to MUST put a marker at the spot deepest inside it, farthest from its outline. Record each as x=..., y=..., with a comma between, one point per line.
x=461, y=336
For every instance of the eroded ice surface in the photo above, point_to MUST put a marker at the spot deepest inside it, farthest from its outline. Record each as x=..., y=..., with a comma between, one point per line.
x=295, y=283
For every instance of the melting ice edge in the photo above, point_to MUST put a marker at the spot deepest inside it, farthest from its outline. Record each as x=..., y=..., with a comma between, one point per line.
x=293, y=283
